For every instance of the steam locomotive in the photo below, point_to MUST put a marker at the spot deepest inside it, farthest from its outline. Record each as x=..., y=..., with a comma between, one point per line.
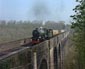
x=43, y=35
x=47, y=34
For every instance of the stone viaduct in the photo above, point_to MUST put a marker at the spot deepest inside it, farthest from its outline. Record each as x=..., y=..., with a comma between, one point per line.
x=45, y=55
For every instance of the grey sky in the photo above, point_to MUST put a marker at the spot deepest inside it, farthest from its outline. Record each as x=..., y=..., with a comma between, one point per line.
x=27, y=9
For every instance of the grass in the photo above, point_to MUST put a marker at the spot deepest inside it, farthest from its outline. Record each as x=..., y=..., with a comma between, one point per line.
x=70, y=59
x=14, y=31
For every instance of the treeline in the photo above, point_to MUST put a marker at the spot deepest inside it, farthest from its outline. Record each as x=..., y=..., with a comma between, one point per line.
x=78, y=25
x=14, y=30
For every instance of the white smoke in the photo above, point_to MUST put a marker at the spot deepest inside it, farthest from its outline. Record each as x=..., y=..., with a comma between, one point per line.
x=40, y=10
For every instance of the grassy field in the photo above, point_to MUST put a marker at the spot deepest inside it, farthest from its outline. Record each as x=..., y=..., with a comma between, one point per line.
x=70, y=57
x=19, y=30
x=15, y=32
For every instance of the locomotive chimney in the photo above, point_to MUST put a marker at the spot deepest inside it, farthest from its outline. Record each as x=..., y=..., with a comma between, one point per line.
x=43, y=23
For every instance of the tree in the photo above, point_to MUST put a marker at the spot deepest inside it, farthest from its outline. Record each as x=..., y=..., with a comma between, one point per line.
x=78, y=25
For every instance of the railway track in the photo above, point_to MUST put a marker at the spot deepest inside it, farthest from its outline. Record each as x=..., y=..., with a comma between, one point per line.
x=22, y=44
x=8, y=51
x=13, y=46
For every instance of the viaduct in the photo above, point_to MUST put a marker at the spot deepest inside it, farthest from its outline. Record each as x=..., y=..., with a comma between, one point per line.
x=45, y=55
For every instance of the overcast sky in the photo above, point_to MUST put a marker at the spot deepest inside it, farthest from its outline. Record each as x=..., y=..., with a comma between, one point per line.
x=36, y=9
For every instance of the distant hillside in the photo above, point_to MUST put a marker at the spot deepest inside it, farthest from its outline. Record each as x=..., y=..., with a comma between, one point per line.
x=12, y=30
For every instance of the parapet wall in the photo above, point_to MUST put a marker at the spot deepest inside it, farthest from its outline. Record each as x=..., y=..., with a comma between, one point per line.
x=13, y=44
x=17, y=60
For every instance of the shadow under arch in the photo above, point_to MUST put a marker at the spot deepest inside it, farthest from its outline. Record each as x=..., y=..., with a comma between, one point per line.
x=59, y=50
x=55, y=58
x=43, y=64
x=59, y=56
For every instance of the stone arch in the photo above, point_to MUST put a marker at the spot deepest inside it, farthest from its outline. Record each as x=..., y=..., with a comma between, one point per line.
x=59, y=50
x=59, y=56
x=55, y=58
x=43, y=64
